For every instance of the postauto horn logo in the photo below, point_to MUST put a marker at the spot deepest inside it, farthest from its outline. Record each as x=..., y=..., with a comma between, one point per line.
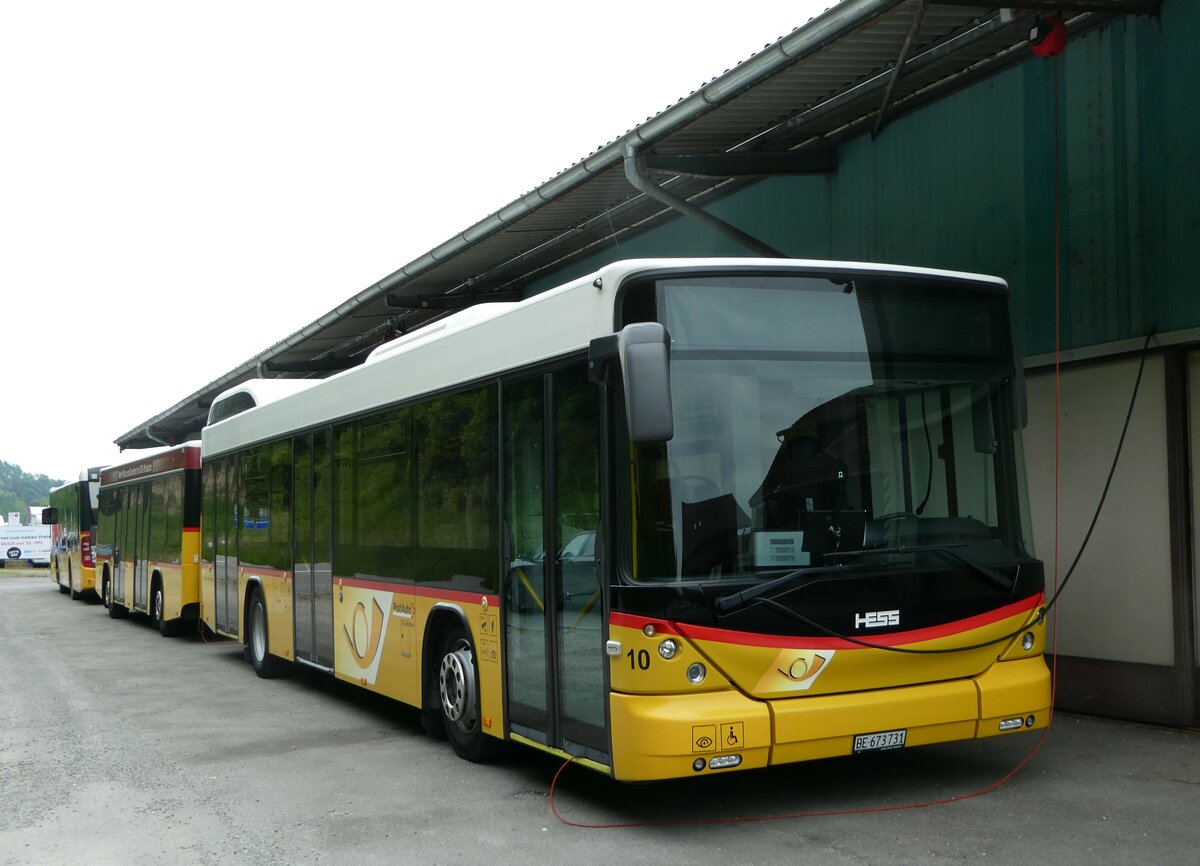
x=364, y=635
x=795, y=670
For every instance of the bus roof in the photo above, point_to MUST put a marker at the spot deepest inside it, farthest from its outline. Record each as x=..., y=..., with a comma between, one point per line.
x=154, y=462
x=486, y=339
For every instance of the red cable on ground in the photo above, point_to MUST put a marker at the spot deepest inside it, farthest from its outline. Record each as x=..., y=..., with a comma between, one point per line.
x=791, y=815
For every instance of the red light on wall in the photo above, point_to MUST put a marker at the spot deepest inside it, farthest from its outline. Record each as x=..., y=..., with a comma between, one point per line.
x=1048, y=38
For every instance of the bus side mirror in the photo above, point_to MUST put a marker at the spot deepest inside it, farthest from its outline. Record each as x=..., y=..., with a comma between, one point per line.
x=49, y=516
x=643, y=350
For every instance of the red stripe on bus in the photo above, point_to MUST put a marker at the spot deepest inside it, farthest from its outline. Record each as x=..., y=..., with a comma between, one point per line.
x=423, y=591
x=720, y=635
x=255, y=571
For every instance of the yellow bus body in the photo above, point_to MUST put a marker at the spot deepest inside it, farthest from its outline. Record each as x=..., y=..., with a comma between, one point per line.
x=378, y=632
x=180, y=580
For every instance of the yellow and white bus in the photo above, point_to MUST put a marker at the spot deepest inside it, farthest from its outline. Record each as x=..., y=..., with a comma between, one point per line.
x=148, y=537
x=675, y=517
x=71, y=516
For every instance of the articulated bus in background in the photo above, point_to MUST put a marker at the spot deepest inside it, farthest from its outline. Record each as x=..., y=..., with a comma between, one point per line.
x=147, y=549
x=674, y=518
x=71, y=516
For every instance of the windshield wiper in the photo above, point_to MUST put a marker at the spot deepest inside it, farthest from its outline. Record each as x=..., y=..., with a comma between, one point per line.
x=995, y=578
x=727, y=603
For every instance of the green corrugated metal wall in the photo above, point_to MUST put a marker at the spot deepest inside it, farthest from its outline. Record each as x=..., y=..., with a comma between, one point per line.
x=968, y=183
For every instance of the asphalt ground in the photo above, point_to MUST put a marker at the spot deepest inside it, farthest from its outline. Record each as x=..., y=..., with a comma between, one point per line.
x=120, y=746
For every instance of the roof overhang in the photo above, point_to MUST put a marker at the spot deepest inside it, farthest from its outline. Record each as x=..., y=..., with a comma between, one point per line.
x=785, y=110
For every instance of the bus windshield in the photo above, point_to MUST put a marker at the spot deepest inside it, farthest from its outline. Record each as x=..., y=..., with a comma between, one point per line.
x=827, y=420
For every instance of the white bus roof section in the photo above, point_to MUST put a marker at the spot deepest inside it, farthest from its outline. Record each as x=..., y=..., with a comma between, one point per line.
x=263, y=391
x=486, y=340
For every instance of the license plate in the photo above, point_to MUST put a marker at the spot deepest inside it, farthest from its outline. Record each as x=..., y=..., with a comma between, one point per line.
x=880, y=742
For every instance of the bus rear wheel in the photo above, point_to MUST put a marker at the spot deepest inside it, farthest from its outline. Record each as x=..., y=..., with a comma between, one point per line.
x=266, y=665
x=458, y=693
x=158, y=605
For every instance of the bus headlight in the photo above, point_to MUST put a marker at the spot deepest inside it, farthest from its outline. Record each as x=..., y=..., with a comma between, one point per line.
x=1027, y=641
x=668, y=648
x=696, y=673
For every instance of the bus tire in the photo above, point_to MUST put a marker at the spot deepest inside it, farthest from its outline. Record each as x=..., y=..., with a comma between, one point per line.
x=458, y=693
x=266, y=665
x=64, y=589
x=158, y=606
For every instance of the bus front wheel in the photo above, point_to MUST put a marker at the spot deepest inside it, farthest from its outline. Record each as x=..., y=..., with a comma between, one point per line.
x=458, y=693
x=265, y=664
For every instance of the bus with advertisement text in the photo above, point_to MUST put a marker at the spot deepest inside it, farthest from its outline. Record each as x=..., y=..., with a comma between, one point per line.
x=147, y=542
x=71, y=517
x=676, y=517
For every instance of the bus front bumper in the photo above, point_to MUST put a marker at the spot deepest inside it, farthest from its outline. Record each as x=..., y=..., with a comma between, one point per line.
x=671, y=736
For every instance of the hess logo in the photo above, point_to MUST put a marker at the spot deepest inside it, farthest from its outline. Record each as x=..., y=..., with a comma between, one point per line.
x=877, y=619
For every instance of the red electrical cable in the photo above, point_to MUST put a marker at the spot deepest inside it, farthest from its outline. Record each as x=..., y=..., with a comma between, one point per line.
x=825, y=813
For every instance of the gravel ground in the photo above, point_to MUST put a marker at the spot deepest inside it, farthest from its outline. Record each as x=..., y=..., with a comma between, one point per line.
x=118, y=746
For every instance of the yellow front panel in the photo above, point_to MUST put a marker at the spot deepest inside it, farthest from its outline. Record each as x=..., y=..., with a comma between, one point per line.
x=821, y=726
x=1013, y=690
x=661, y=737
x=808, y=703
x=640, y=669
x=827, y=666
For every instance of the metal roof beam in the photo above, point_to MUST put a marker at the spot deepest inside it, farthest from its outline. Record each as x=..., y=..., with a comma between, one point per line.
x=898, y=68
x=818, y=160
x=635, y=171
x=924, y=58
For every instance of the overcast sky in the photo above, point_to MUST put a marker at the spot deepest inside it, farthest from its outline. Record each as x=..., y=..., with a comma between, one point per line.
x=183, y=185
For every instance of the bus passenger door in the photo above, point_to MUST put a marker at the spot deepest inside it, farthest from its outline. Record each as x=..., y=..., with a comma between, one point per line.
x=225, y=541
x=123, y=502
x=141, y=547
x=554, y=602
x=312, y=584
